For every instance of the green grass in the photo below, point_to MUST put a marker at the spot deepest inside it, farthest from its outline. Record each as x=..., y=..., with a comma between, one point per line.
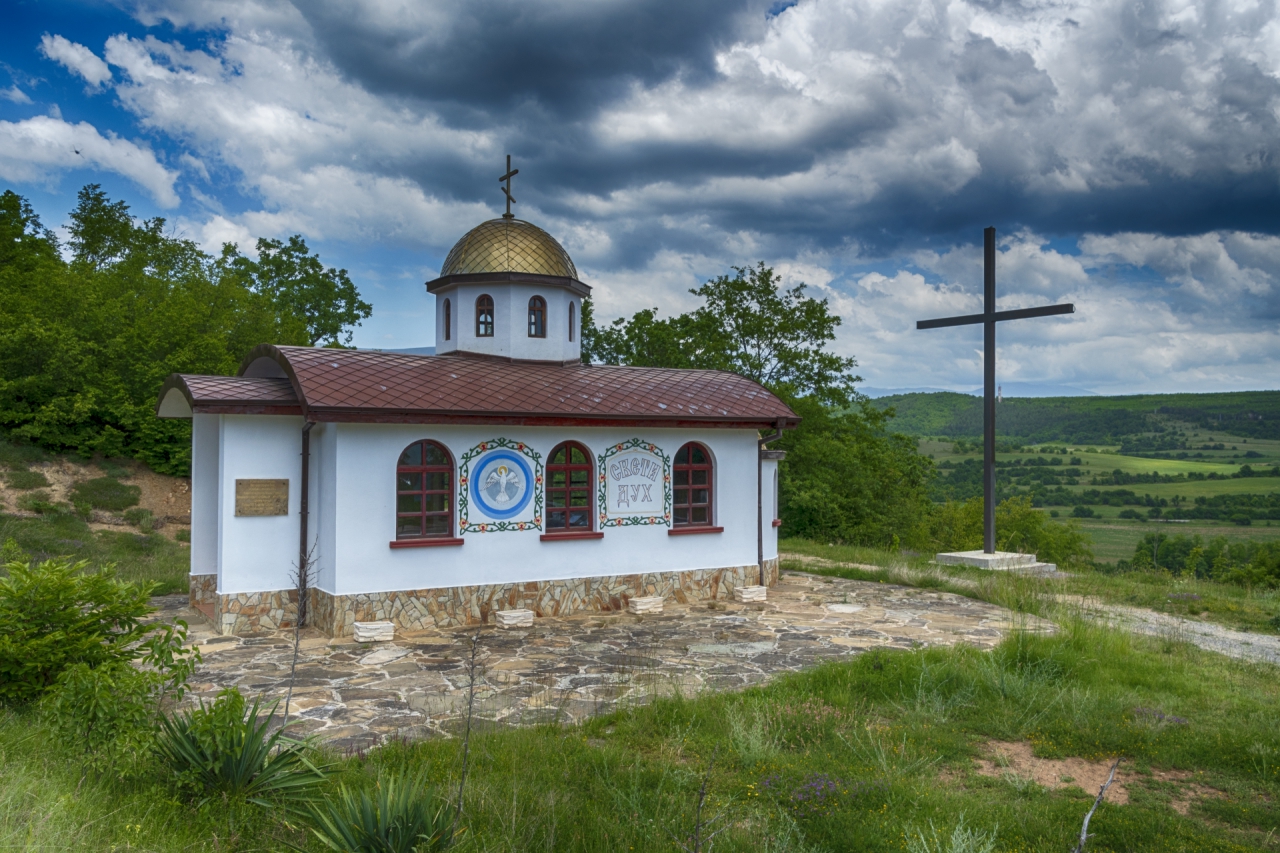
x=138, y=557
x=23, y=479
x=1097, y=464
x=1256, y=610
x=845, y=756
x=105, y=493
x=1114, y=538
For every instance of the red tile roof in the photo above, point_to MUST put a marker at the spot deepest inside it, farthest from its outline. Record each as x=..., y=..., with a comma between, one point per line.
x=360, y=385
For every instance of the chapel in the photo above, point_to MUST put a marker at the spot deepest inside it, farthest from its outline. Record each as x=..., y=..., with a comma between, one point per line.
x=501, y=472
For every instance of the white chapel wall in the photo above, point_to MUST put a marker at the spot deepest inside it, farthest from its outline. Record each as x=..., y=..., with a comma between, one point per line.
x=511, y=322
x=258, y=553
x=204, y=494
x=324, y=507
x=769, y=506
x=365, y=514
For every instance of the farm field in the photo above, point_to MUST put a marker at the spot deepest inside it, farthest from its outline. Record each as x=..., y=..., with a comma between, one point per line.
x=1103, y=463
x=1115, y=539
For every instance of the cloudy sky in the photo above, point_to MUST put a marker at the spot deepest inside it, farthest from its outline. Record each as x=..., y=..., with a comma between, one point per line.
x=1127, y=152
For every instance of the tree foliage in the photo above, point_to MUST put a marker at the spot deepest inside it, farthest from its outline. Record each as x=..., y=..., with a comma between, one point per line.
x=56, y=614
x=750, y=325
x=87, y=338
x=846, y=475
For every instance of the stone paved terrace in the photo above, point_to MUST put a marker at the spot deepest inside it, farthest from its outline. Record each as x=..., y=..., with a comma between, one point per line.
x=354, y=695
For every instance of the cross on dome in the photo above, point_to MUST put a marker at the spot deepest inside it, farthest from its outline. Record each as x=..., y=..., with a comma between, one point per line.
x=507, y=189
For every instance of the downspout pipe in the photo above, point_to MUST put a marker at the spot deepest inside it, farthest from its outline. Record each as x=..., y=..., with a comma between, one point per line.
x=304, y=503
x=760, y=443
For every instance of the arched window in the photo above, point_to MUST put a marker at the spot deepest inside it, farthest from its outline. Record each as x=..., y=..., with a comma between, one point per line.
x=692, y=486
x=424, y=492
x=569, y=489
x=571, y=312
x=537, y=317
x=484, y=317
x=448, y=320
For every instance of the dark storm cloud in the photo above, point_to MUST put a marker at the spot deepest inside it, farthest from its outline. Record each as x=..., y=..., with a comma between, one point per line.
x=1189, y=144
x=482, y=59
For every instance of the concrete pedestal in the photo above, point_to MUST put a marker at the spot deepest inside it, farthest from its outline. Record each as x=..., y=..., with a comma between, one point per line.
x=647, y=605
x=519, y=618
x=1000, y=561
x=374, y=632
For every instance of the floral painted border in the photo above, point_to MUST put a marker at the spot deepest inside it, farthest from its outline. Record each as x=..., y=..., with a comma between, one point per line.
x=628, y=521
x=464, y=477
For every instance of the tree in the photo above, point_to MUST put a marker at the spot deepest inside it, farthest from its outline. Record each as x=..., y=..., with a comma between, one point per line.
x=86, y=342
x=846, y=475
x=325, y=300
x=750, y=325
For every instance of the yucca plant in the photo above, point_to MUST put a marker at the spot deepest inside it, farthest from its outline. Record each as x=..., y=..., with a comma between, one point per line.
x=225, y=750
x=401, y=815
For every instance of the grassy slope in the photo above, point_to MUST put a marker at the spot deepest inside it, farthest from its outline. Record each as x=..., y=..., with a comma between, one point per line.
x=137, y=556
x=883, y=731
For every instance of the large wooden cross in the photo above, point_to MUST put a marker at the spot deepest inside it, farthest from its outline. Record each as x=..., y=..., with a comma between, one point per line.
x=988, y=318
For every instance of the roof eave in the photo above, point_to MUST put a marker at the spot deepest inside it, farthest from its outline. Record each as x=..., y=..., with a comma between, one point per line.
x=446, y=282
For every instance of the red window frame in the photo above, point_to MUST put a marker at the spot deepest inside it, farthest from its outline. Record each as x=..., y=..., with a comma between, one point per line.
x=691, y=487
x=484, y=316
x=569, y=490
x=429, y=479
x=537, y=317
x=448, y=319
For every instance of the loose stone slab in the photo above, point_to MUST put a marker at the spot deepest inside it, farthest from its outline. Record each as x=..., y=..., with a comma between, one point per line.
x=645, y=605
x=375, y=632
x=515, y=618
x=1000, y=561
x=747, y=594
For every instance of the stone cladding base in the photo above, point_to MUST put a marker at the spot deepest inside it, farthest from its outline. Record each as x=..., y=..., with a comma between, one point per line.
x=453, y=607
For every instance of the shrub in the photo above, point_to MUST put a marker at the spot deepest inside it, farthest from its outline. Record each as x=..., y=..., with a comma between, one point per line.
x=24, y=480
x=140, y=518
x=222, y=749
x=1082, y=512
x=55, y=614
x=1019, y=527
x=40, y=502
x=107, y=712
x=402, y=815
x=105, y=493
x=1131, y=513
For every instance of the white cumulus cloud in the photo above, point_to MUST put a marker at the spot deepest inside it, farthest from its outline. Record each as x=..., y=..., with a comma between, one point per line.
x=76, y=57
x=36, y=148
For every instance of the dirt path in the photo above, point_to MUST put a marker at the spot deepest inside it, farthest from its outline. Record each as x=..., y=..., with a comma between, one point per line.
x=1206, y=635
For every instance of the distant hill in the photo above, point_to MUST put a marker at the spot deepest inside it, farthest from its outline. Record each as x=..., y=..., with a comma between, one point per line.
x=1010, y=389
x=1087, y=420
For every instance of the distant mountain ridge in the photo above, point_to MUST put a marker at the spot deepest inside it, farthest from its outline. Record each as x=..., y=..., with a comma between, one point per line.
x=1010, y=389
x=1086, y=420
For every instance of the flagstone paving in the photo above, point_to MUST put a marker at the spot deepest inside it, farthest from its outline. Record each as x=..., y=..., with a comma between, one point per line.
x=564, y=669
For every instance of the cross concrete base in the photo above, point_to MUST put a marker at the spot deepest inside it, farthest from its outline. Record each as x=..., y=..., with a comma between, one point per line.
x=1000, y=561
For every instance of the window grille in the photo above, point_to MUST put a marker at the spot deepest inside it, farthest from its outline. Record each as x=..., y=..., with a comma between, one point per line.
x=537, y=317
x=691, y=504
x=484, y=317
x=569, y=489
x=424, y=492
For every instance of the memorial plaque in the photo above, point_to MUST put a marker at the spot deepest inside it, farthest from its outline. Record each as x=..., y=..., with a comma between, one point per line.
x=262, y=497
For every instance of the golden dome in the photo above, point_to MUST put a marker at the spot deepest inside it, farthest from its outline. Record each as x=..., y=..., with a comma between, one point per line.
x=508, y=245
